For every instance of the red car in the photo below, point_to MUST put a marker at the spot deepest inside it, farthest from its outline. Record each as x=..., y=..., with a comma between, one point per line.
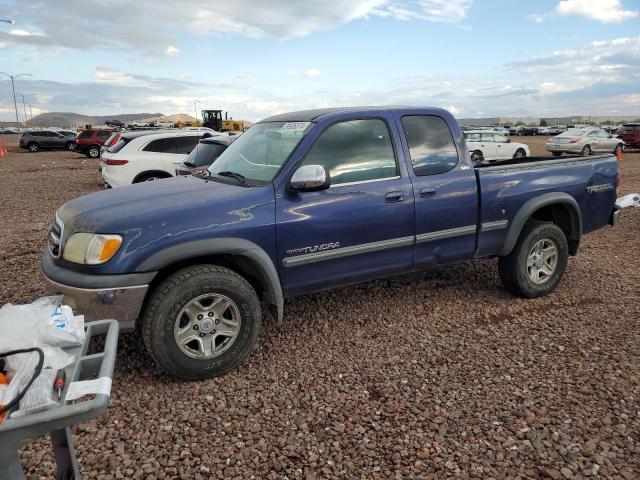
x=630, y=133
x=89, y=141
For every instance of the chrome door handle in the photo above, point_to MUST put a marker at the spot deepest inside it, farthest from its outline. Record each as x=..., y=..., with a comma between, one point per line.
x=394, y=197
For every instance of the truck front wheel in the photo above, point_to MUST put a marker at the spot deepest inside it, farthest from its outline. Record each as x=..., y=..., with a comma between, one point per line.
x=537, y=263
x=201, y=322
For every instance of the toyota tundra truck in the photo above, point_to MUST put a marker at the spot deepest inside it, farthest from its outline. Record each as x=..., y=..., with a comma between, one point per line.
x=307, y=201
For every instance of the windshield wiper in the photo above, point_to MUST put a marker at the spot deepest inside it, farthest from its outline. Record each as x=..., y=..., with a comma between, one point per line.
x=242, y=180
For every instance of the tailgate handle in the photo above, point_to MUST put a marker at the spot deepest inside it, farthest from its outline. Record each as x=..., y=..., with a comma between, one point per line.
x=394, y=197
x=427, y=192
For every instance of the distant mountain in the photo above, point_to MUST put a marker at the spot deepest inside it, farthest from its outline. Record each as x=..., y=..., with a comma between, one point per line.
x=69, y=119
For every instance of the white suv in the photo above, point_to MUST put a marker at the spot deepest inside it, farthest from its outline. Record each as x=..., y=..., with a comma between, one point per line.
x=142, y=157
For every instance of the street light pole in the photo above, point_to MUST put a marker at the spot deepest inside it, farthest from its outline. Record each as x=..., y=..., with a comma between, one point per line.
x=13, y=87
x=195, y=109
x=24, y=105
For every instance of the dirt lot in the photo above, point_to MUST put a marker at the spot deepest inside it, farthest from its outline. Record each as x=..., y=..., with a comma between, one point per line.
x=424, y=376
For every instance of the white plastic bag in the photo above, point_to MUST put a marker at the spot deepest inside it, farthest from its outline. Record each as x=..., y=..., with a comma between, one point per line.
x=631, y=200
x=43, y=322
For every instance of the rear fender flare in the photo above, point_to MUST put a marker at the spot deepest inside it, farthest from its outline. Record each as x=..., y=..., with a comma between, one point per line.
x=265, y=270
x=530, y=207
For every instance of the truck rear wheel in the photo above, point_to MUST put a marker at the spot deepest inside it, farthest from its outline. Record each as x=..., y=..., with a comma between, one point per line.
x=537, y=263
x=201, y=322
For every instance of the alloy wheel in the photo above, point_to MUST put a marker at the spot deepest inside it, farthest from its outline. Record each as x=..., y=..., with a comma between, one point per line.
x=542, y=261
x=207, y=326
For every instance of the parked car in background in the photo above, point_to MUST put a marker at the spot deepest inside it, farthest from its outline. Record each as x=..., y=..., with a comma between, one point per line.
x=8, y=131
x=35, y=140
x=543, y=131
x=630, y=134
x=146, y=157
x=527, y=131
x=67, y=133
x=501, y=130
x=515, y=130
x=89, y=142
x=584, y=141
x=199, y=129
x=489, y=146
x=205, y=153
x=113, y=138
x=556, y=129
x=114, y=123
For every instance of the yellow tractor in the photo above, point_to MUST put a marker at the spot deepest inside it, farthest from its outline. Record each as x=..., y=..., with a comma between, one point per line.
x=213, y=119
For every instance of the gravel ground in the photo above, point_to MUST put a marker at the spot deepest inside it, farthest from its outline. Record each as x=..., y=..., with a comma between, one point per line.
x=433, y=375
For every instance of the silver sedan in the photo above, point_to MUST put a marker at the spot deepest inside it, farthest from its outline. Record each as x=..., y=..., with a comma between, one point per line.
x=584, y=141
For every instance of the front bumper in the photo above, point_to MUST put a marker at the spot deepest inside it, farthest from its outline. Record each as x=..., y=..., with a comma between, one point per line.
x=99, y=297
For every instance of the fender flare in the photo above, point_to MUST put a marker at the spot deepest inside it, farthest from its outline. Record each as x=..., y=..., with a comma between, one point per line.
x=265, y=270
x=527, y=210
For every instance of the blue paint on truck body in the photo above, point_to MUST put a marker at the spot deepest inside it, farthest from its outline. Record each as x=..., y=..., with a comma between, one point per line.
x=347, y=233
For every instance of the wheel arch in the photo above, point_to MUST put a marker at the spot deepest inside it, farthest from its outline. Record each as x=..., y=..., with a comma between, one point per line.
x=160, y=173
x=559, y=208
x=240, y=255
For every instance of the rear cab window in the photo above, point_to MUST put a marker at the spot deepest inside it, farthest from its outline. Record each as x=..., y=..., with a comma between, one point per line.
x=431, y=146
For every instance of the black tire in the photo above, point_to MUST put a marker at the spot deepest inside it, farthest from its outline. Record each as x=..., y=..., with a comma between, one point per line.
x=71, y=146
x=557, y=154
x=150, y=177
x=513, y=267
x=586, y=151
x=476, y=156
x=33, y=147
x=93, y=151
x=167, y=301
x=520, y=153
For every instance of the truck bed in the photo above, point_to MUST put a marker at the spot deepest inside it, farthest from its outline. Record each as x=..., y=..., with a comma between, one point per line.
x=510, y=186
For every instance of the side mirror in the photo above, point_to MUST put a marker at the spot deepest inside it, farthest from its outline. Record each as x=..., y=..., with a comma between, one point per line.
x=310, y=178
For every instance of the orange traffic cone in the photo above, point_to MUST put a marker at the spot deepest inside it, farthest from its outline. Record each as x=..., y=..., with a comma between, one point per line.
x=3, y=149
x=618, y=153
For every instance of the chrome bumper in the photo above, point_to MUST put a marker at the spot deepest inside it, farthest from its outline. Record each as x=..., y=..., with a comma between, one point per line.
x=122, y=304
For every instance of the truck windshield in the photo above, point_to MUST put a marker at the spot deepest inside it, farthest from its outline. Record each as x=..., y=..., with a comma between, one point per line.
x=259, y=153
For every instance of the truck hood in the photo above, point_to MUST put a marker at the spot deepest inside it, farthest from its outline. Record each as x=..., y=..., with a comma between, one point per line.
x=115, y=210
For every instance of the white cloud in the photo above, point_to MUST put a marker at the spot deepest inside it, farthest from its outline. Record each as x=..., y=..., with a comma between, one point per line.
x=149, y=28
x=537, y=17
x=20, y=33
x=310, y=72
x=172, y=51
x=605, y=11
x=447, y=11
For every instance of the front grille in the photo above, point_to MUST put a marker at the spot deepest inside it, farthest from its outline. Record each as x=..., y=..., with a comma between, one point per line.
x=55, y=237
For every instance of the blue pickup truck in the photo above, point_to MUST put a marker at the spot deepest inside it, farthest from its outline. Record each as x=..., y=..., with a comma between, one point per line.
x=307, y=201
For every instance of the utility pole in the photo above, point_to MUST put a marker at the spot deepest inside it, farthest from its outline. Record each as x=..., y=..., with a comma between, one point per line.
x=24, y=105
x=13, y=87
x=195, y=109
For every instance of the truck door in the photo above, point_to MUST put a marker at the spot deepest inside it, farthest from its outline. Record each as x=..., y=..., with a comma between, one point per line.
x=362, y=226
x=446, y=196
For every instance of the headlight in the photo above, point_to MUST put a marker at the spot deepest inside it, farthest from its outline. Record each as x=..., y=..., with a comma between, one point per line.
x=91, y=248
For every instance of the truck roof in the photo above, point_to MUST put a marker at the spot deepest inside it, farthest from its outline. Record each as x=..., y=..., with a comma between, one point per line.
x=317, y=113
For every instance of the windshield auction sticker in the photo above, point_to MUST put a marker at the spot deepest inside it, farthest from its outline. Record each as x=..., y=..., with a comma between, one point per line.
x=295, y=126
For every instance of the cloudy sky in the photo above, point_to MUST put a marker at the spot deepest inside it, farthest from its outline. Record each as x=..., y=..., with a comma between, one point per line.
x=258, y=57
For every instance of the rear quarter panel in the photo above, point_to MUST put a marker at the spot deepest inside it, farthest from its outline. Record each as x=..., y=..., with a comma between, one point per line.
x=504, y=190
